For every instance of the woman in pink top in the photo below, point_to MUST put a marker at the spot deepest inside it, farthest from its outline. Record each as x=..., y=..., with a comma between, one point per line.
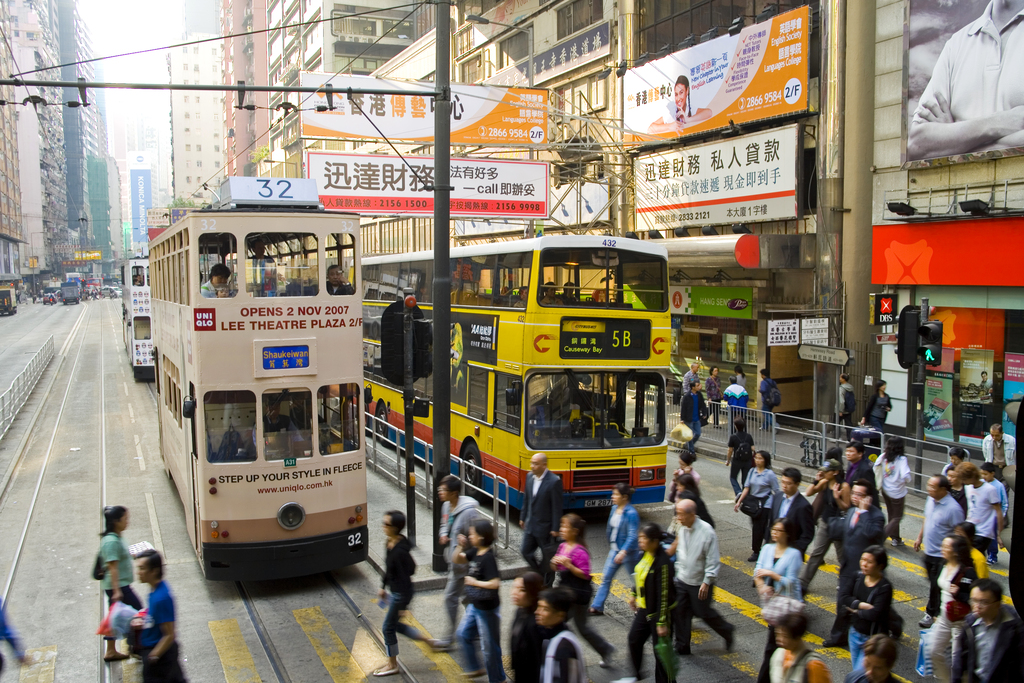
x=686, y=459
x=572, y=563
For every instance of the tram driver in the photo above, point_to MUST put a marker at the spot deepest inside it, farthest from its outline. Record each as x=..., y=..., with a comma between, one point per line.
x=283, y=438
x=217, y=286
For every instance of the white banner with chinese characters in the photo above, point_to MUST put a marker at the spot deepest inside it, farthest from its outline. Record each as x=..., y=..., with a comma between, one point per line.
x=479, y=113
x=571, y=53
x=783, y=332
x=750, y=178
x=377, y=184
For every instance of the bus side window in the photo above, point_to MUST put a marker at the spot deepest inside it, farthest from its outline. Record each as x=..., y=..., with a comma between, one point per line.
x=287, y=424
x=230, y=420
x=478, y=394
x=218, y=266
x=337, y=414
x=506, y=409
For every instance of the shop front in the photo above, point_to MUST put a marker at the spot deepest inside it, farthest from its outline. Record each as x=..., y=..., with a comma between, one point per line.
x=980, y=302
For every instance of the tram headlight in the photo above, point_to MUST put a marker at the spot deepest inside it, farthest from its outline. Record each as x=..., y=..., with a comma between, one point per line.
x=291, y=516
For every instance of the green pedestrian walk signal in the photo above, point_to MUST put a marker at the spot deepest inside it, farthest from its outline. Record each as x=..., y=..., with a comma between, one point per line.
x=930, y=346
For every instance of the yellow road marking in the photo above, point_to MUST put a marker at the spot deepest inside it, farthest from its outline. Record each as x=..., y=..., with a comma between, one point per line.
x=442, y=661
x=332, y=652
x=234, y=654
x=39, y=665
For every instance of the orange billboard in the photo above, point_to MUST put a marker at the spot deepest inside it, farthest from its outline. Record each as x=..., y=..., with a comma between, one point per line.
x=760, y=73
x=480, y=114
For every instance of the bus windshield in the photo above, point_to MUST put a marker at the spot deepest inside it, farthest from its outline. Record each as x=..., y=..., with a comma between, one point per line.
x=603, y=278
x=586, y=410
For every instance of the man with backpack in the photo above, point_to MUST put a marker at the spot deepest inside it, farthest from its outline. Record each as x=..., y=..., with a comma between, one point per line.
x=847, y=403
x=458, y=513
x=771, y=397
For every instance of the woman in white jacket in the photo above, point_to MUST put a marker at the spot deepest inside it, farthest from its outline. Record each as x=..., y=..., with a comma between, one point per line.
x=892, y=474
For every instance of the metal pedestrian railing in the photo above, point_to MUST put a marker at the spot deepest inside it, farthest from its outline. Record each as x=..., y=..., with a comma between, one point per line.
x=12, y=400
x=385, y=455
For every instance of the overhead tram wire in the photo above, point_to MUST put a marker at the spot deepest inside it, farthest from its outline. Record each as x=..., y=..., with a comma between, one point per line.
x=285, y=114
x=210, y=40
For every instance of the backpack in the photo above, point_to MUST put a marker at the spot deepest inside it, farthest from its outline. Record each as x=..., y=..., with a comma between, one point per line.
x=744, y=452
x=579, y=674
x=849, y=402
x=774, y=396
x=99, y=569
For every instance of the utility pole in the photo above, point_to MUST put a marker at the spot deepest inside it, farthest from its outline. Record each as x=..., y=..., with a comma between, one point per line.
x=442, y=266
x=410, y=419
x=831, y=139
x=919, y=386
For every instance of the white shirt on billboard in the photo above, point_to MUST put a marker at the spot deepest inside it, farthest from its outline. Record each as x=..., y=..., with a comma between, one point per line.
x=975, y=97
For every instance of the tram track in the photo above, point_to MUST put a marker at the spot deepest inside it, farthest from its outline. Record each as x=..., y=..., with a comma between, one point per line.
x=267, y=642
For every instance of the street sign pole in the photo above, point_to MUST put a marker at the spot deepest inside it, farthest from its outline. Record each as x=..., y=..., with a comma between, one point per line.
x=410, y=440
x=919, y=390
x=442, y=314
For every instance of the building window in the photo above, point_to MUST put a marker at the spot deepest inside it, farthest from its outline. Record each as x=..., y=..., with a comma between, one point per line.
x=188, y=130
x=579, y=15
x=188, y=179
x=195, y=68
x=199, y=164
x=513, y=49
x=216, y=148
x=186, y=99
x=187, y=115
x=471, y=70
x=188, y=148
x=197, y=99
x=195, y=50
x=185, y=67
x=197, y=115
x=199, y=148
x=188, y=164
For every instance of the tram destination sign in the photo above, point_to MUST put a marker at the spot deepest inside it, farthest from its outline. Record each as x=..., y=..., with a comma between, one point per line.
x=605, y=339
x=285, y=357
x=384, y=185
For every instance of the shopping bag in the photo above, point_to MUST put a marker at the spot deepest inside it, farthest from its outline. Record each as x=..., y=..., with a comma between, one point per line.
x=105, y=629
x=924, y=655
x=666, y=654
x=681, y=433
x=121, y=616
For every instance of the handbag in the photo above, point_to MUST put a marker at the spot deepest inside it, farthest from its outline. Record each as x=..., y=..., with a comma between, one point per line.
x=582, y=589
x=776, y=607
x=924, y=654
x=837, y=528
x=751, y=506
x=954, y=609
x=666, y=654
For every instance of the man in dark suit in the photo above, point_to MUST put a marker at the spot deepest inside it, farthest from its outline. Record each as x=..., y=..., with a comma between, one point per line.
x=792, y=505
x=859, y=467
x=541, y=516
x=865, y=526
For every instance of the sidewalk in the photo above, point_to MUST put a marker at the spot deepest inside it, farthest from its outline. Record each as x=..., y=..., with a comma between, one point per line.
x=383, y=495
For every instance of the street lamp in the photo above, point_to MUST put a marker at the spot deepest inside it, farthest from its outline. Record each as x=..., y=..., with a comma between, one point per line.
x=483, y=21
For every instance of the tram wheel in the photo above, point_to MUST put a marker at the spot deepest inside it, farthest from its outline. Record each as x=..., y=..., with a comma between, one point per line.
x=471, y=458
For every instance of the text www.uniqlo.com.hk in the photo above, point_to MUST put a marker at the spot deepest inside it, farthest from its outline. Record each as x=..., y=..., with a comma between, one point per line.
x=297, y=487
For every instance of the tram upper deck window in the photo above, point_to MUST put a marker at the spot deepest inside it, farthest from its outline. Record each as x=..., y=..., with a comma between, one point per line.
x=139, y=276
x=602, y=278
x=341, y=264
x=218, y=266
x=230, y=418
x=281, y=264
x=337, y=416
x=287, y=424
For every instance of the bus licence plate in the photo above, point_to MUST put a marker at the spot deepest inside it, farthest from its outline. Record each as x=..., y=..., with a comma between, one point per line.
x=598, y=503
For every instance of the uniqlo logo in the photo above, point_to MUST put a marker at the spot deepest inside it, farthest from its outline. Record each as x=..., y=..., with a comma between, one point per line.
x=886, y=305
x=206, y=319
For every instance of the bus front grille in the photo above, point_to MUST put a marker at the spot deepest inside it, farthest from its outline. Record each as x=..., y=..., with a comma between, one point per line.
x=617, y=462
x=600, y=478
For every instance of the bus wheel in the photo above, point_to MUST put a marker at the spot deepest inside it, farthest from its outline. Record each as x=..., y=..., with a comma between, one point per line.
x=381, y=421
x=471, y=459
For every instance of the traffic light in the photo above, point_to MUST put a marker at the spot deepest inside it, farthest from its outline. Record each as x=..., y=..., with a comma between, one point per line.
x=423, y=346
x=392, y=344
x=906, y=339
x=930, y=348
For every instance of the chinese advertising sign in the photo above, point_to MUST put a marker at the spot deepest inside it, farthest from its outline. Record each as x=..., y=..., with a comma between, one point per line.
x=378, y=184
x=758, y=74
x=783, y=332
x=567, y=55
x=479, y=113
x=473, y=337
x=750, y=178
x=720, y=302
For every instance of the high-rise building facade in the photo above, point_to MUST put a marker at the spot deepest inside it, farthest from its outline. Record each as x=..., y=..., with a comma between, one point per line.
x=197, y=119
x=245, y=59
x=11, y=235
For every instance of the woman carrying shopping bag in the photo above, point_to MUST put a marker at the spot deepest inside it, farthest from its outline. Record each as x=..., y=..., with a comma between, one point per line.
x=117, y=569
x=955, y=582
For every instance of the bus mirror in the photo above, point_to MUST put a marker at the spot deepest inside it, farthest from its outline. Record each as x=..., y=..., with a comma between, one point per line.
x=367, y=395
x=188, y=408
x=421, y=407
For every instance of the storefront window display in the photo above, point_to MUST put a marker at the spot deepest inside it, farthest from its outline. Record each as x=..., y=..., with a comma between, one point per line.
x=981, y=379
x=714, y=342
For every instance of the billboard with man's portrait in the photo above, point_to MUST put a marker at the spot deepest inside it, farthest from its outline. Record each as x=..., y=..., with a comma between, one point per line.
x=965, y=90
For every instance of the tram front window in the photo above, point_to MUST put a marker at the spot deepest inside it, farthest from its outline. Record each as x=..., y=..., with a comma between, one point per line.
x=218, y=266
x=576, y=409
x=281, y=264
x=230, y=418
x=337, y=415
x=287, y=424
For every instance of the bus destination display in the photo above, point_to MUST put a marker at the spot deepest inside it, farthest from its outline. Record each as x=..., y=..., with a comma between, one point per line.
x=605, y=339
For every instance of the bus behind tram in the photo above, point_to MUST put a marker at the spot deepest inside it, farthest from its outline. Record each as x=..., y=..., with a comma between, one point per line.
x=137, y=318
x=559, y=344
x=258, y=389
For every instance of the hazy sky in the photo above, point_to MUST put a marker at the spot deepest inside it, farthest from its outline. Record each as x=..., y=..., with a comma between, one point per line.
x=119, y=26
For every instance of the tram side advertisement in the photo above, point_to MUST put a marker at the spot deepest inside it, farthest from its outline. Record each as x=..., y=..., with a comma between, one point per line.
x=263, y=318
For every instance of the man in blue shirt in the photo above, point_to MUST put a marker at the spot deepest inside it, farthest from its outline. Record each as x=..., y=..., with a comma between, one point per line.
x=693, y=412
x=8, y=634
x=159, y=649
x=941, y=515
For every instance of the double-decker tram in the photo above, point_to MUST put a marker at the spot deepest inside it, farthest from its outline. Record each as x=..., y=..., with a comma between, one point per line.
x=137, y=318
x=255, y=320
x=559, y=345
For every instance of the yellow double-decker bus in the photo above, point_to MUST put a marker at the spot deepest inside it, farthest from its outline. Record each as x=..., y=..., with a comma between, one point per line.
x=559, y=345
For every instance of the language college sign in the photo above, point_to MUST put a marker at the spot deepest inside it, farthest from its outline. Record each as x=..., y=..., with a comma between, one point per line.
x=758, y=74
x=377, y=184
x=750, y=178
x=479, y=113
